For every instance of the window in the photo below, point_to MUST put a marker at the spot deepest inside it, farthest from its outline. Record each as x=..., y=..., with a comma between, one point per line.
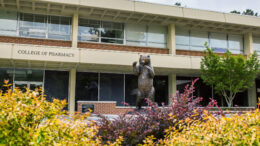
x=28, y=75
x=32, y=25
x=43, y=26
x=161, y=89
x=112, y=88
x=99, y=31
x=136, y=34
x=88, y=30
x=116, y=87
x=143, y=35
x=112, y=32
x=59, y=27
x=194, y=40
x=182, y=39
x=8, y=23
x=256, y=44
x=236, y=44
x=87, y=86
x=218, y=41
x=5, y=74
x=56, y=84
x=131, y=83
x=157, y=36
x=198, y=39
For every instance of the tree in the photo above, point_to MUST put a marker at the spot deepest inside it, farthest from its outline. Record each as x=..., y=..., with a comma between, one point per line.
x=228, y=74
x=235, y=11
x=249, y=12
x=246, y=12
x=177, y=4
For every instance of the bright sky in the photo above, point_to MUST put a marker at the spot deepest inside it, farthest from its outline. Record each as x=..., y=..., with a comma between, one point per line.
x=215, y=5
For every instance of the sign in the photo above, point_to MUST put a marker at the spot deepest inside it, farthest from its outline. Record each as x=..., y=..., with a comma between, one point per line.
x=45, y=53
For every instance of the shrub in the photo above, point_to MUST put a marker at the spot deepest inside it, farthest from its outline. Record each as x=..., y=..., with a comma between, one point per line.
x=152, y=120
x=26, y=118
x=235, y=130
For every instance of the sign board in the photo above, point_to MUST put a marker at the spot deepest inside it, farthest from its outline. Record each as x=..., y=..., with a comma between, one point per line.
x=45, y=53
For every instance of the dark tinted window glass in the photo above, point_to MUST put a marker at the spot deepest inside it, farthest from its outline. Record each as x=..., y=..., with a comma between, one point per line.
x=5, y=74
x=182, y=82
x=204, y=91
x=28, y=75
x=87, y=86
x=112, y=88
x=241, y=99
x=56, y=84
x=130, y=86
x=161, y=89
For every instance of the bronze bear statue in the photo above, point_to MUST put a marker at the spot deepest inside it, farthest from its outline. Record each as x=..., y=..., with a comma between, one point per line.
x=145, y=74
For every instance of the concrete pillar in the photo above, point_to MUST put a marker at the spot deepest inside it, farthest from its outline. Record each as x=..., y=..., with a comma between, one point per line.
x=252, y=99
x=172, y=86
x=75, y=22
x=248, y=40
x=72, y=88
x=171, y=39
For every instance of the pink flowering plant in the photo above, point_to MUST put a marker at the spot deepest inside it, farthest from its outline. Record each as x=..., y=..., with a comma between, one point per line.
x=152, y=120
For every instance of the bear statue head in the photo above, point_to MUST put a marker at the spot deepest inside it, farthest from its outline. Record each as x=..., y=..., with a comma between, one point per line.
x=145, y=60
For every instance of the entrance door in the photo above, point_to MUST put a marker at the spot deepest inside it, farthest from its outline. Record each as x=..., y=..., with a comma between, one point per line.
x=21, y=85
x=27, y=84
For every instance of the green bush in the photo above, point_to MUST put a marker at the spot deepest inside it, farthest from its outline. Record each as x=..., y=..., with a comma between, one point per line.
x=235, y=130
x=26, y=118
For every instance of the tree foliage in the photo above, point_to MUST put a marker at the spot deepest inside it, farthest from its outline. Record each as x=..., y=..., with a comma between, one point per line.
x=246, y=12
x=235, y=12
x=177, y=4
x=228, y=74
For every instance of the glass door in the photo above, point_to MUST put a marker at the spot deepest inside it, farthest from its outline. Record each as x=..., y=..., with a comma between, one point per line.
x=34, y=85
x=22, y=85
x=27, y=84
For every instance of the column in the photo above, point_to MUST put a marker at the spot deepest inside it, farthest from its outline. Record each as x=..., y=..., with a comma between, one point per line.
x=72, y=88
x=248, y=40
x=171, y=39
x=252, y=99
x=172, y=85
x=75, y=23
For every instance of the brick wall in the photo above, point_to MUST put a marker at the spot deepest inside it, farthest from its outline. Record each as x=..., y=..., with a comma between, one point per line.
x=189, y=53
x=46, y=42
x=122, y=48
x=198, y=53
x=104, y=107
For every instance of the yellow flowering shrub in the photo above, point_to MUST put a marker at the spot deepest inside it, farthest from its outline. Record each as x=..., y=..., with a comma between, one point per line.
x=26, y=118
x=241, y=129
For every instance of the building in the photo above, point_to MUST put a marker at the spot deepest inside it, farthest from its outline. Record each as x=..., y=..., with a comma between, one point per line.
x=83, y=50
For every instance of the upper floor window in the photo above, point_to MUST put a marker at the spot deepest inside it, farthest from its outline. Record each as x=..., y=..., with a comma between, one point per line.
x=256, y=44
x=194, y=40
x=8, y=23
x=143, y=35
x=42, y=26
x=59, y=27
x=99, y=31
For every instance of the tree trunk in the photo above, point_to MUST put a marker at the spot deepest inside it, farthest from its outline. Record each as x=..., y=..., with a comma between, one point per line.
x=229, y=104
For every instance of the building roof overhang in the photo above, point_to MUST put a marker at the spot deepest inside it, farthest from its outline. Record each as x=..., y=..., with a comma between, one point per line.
x=130, y=11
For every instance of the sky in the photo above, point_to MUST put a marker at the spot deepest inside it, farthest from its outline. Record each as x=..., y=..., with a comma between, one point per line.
x=214, y=5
